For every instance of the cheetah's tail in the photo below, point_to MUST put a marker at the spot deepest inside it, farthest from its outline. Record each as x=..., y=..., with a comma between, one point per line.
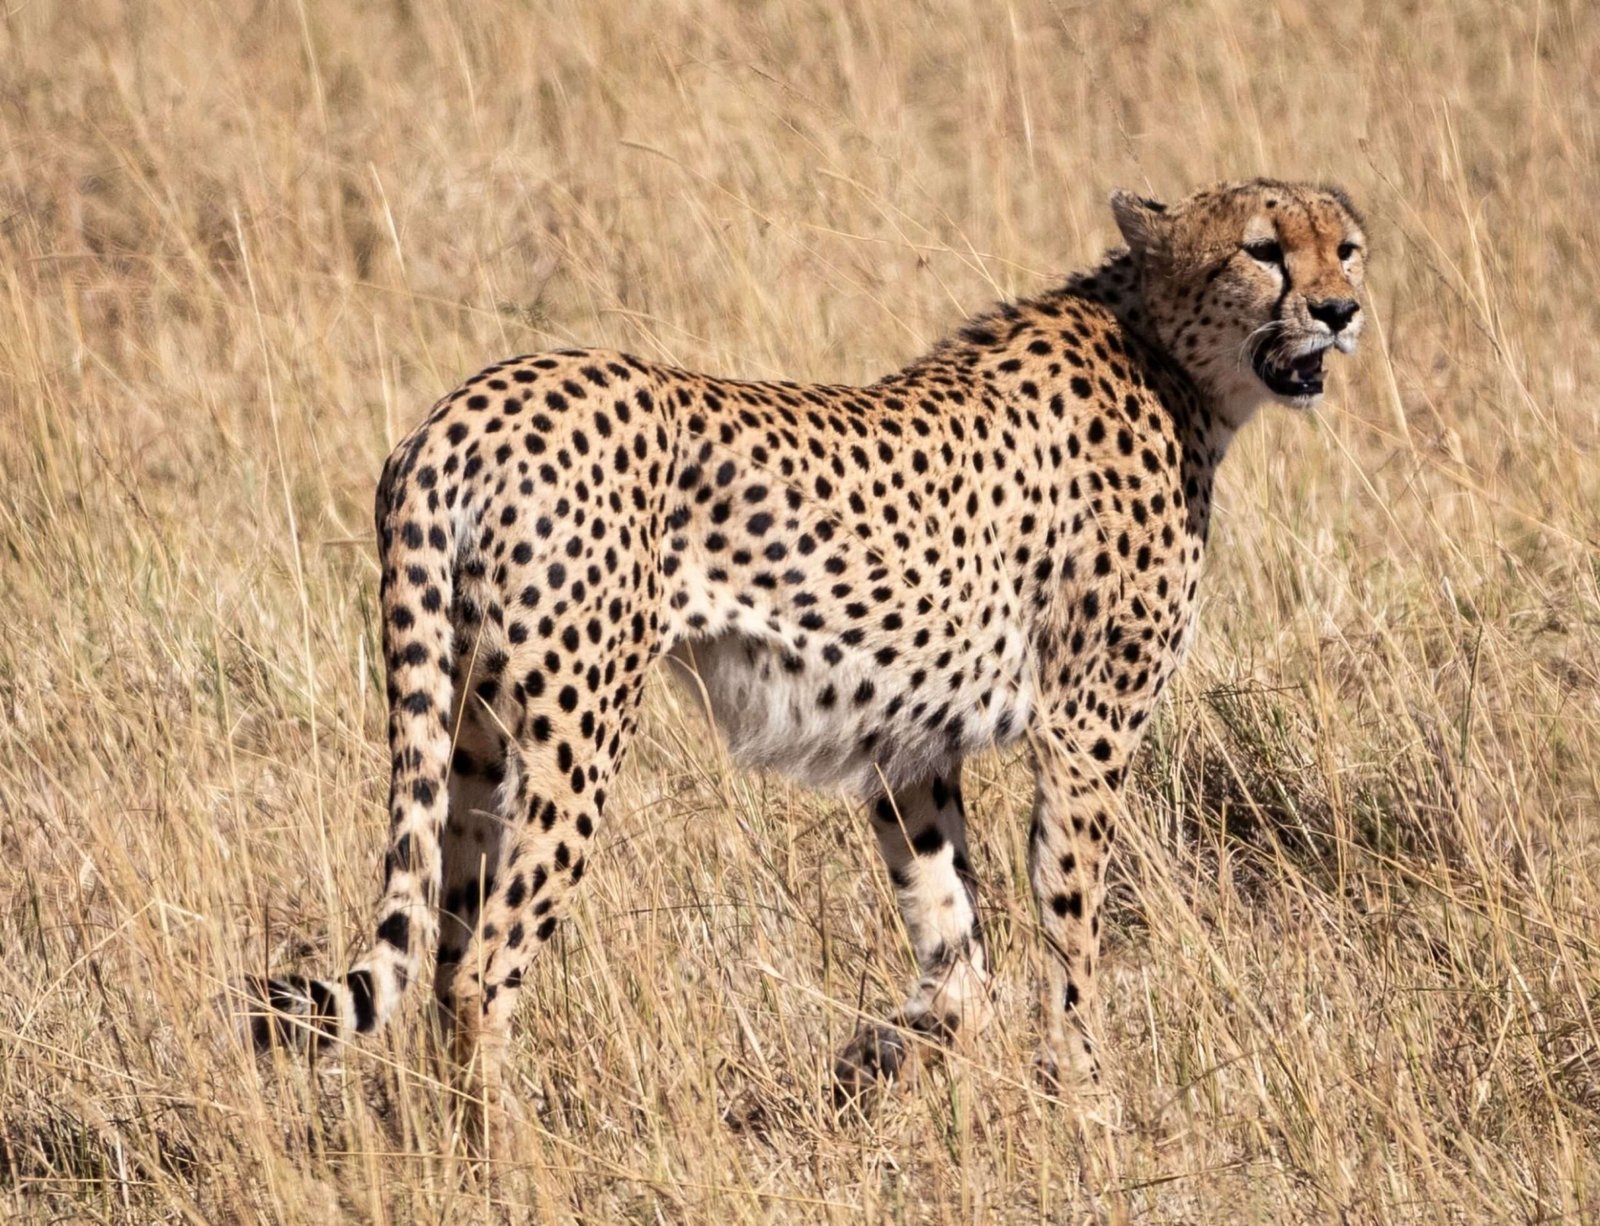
x=417, y=547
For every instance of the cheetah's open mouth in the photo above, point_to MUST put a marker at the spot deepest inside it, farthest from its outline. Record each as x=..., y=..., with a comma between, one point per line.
x=1292, y=376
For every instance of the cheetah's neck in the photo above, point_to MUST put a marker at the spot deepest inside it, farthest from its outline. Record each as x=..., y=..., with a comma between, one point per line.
x=996, y=340
x=1113, y=284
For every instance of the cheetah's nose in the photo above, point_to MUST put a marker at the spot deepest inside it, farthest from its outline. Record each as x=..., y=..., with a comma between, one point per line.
x=1335, y=312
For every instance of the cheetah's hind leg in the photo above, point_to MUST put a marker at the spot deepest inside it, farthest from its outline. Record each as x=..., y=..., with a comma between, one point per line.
x=921, y=833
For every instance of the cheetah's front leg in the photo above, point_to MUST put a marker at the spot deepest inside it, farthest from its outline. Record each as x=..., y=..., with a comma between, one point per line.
x=1076, y=808
x=921, y=832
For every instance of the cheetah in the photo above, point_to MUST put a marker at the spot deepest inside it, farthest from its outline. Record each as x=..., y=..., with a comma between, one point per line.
x=866, y=585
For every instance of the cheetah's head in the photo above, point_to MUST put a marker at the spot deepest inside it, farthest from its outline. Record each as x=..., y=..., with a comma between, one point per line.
x=1248, y=285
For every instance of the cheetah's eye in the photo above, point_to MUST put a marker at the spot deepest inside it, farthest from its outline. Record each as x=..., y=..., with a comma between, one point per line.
x=1346, y=250
x=1265, y=251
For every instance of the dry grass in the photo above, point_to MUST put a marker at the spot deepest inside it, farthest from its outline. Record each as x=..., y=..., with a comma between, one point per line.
x=1354, y=970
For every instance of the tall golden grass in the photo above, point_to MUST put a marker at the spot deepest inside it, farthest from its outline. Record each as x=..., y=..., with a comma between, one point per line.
x=1354, y=957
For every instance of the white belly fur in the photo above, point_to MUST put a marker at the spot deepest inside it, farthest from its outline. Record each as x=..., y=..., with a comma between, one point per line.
x=771, y=718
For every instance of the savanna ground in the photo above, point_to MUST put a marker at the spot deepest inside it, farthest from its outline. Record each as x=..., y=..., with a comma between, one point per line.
x=1354, y=957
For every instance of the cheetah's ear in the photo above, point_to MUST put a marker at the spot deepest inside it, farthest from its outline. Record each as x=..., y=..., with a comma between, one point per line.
x=1143, y=221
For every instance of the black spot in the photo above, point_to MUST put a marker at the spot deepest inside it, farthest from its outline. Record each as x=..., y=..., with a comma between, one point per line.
x=1068, y=904
x=360, y=985
x=516, y=892
x=402, y=857
x=396, y=931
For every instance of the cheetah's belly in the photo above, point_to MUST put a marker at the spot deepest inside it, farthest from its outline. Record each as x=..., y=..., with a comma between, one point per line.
x=849, y=725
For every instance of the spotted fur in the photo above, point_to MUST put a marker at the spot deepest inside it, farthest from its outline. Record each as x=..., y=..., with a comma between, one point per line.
x=865, y=584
